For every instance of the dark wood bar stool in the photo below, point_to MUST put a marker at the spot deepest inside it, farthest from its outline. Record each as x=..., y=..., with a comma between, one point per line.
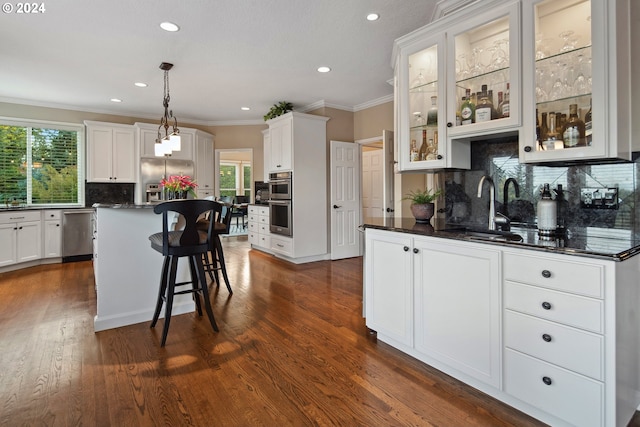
x=191, y=242
x=213, y=260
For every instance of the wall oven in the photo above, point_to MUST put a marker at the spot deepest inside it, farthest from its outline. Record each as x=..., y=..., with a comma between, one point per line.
x=280, y=184
x=280, y=217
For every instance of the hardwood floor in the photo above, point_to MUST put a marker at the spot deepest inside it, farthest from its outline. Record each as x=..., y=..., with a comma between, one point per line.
x=292, y=350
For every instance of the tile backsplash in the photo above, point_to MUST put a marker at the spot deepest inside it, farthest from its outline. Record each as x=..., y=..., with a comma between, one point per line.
x=97, y=192
x=499, y=160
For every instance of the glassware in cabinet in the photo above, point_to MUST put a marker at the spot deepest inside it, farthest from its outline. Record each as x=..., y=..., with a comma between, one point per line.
x=563, y=72
x=484, y=71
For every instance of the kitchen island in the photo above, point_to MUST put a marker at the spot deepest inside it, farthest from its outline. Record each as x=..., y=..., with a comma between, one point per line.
x=549, y=327
x=127, y=270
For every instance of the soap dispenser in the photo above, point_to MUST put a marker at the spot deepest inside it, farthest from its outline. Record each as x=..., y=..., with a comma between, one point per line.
x=547, y=214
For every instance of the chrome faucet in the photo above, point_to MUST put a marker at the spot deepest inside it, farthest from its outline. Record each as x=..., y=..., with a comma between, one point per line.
x=494, y=218
x=505, y=193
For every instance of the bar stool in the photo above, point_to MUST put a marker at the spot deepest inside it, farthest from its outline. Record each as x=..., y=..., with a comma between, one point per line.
x=190, y=242
x=213, y=260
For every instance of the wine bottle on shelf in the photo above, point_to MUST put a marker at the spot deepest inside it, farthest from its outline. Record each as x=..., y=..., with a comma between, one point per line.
x=414, y=151
x=467, y=109
x=483, y=108
x=500, y=102
x=588, y=124
x=544, y=127
x=504, y=107
x=538, y=136
x=494, y=110
x=424, y=148
x=573, y=130
x=552, y=133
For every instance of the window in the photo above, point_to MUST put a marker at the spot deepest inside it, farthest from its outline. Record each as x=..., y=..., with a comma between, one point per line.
x=40, y=163
x=235, y=178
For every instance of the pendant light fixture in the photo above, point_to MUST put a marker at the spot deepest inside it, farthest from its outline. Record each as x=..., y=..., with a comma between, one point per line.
x=170, y=142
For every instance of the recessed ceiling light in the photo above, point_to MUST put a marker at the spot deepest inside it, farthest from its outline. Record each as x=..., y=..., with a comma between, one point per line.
x=373, y=17
x=116, y=100
x=140, y=84
x=169, y=26
x=245, y=108
x=324, y=69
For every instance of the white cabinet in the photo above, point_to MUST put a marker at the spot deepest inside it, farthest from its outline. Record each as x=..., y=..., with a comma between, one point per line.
x=148, y=133
x=457, y=310
x=388, y=279
x=577, y=52
x=474, y=51
x=21, y=236
x=204, y=163
x=266, y=141
x=419, y=299
x=259, y=234
x=52, y=230
x=299, y=144
x=111, y=152
x=281, y=143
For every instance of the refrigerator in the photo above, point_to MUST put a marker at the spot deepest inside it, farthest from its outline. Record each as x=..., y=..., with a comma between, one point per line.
x=152, y=170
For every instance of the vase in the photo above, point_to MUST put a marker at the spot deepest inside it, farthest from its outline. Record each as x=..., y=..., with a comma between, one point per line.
x=175, y=195
x=423, y=212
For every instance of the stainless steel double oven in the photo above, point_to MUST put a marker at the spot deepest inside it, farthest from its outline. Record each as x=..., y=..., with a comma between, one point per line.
x=281, y=203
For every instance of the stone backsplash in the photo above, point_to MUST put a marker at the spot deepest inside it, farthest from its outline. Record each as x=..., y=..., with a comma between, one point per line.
x=499, y=160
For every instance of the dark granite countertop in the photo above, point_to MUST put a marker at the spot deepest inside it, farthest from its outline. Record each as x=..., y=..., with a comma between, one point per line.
x=594, y=242
x=125, y=205
x=39, y=208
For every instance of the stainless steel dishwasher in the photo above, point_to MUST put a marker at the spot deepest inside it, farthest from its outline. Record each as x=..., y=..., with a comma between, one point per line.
x=77, y=235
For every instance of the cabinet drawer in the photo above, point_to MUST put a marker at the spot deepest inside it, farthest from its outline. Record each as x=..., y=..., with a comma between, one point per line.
x=265, y=241
x=19, y=216
x=253, y=210
x=263, y=210
x=263, y=219
x=254, y=227
x=576, y=399
x=568, y=309
x=253, y=237
x=576, y=277
x=51, y=215
x=567, y=347
x=263, y=228
x=253, y=217
x=284, y=246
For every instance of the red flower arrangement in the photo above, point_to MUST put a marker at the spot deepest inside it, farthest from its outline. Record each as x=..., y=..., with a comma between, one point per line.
x=177, y=184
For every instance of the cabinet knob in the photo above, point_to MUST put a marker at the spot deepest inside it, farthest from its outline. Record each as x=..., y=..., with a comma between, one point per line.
x=416, y=250
x=57, y=225
x=546, y=274
x=449, y=124
x=406, y=248
x=546, y=305
x=547, y=380
x=439, y=156
x=546, y=337
x=336, y=207
x=389, y=210
x=527, y=149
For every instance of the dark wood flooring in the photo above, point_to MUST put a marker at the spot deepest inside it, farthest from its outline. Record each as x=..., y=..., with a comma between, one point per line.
x=292, y=350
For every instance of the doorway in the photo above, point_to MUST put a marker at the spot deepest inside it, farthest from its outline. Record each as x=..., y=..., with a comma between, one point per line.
x=234, y=172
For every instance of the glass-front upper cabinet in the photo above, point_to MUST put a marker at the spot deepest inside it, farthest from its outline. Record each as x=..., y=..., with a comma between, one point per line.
x=484, y=72
x=421, y=104
x=577, y=80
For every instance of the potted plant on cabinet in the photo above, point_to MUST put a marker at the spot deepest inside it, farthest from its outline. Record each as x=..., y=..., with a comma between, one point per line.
x=277, y=110
x=422, y=206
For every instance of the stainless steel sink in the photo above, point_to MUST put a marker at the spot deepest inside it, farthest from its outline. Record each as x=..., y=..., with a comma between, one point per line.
x=474, y=234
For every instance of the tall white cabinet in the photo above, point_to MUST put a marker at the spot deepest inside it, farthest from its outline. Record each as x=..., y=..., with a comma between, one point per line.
x=299, y=144
x=204, y=164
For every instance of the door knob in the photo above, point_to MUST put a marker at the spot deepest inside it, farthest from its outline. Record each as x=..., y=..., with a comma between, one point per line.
x=336, y=207
x=389, y=210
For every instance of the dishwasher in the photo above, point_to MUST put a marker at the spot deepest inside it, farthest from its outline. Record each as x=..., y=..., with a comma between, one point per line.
x=77, y=235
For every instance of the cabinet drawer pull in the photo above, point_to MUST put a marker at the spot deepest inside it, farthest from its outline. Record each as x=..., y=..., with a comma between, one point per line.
x=546, y=380
x=527, y=149
x=546, y=274
x=546, y=305
x=546, y=337
x=406, y=248
x=415, y=250
x=449, y=124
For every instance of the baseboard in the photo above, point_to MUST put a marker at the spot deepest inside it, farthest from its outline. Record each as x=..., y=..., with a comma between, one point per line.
x=101, y=323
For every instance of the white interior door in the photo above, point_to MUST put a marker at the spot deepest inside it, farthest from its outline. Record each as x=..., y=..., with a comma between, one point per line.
x=372, y=183
x=345, y=200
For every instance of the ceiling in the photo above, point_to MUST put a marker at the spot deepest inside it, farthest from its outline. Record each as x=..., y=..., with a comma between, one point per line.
x=228, y=54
